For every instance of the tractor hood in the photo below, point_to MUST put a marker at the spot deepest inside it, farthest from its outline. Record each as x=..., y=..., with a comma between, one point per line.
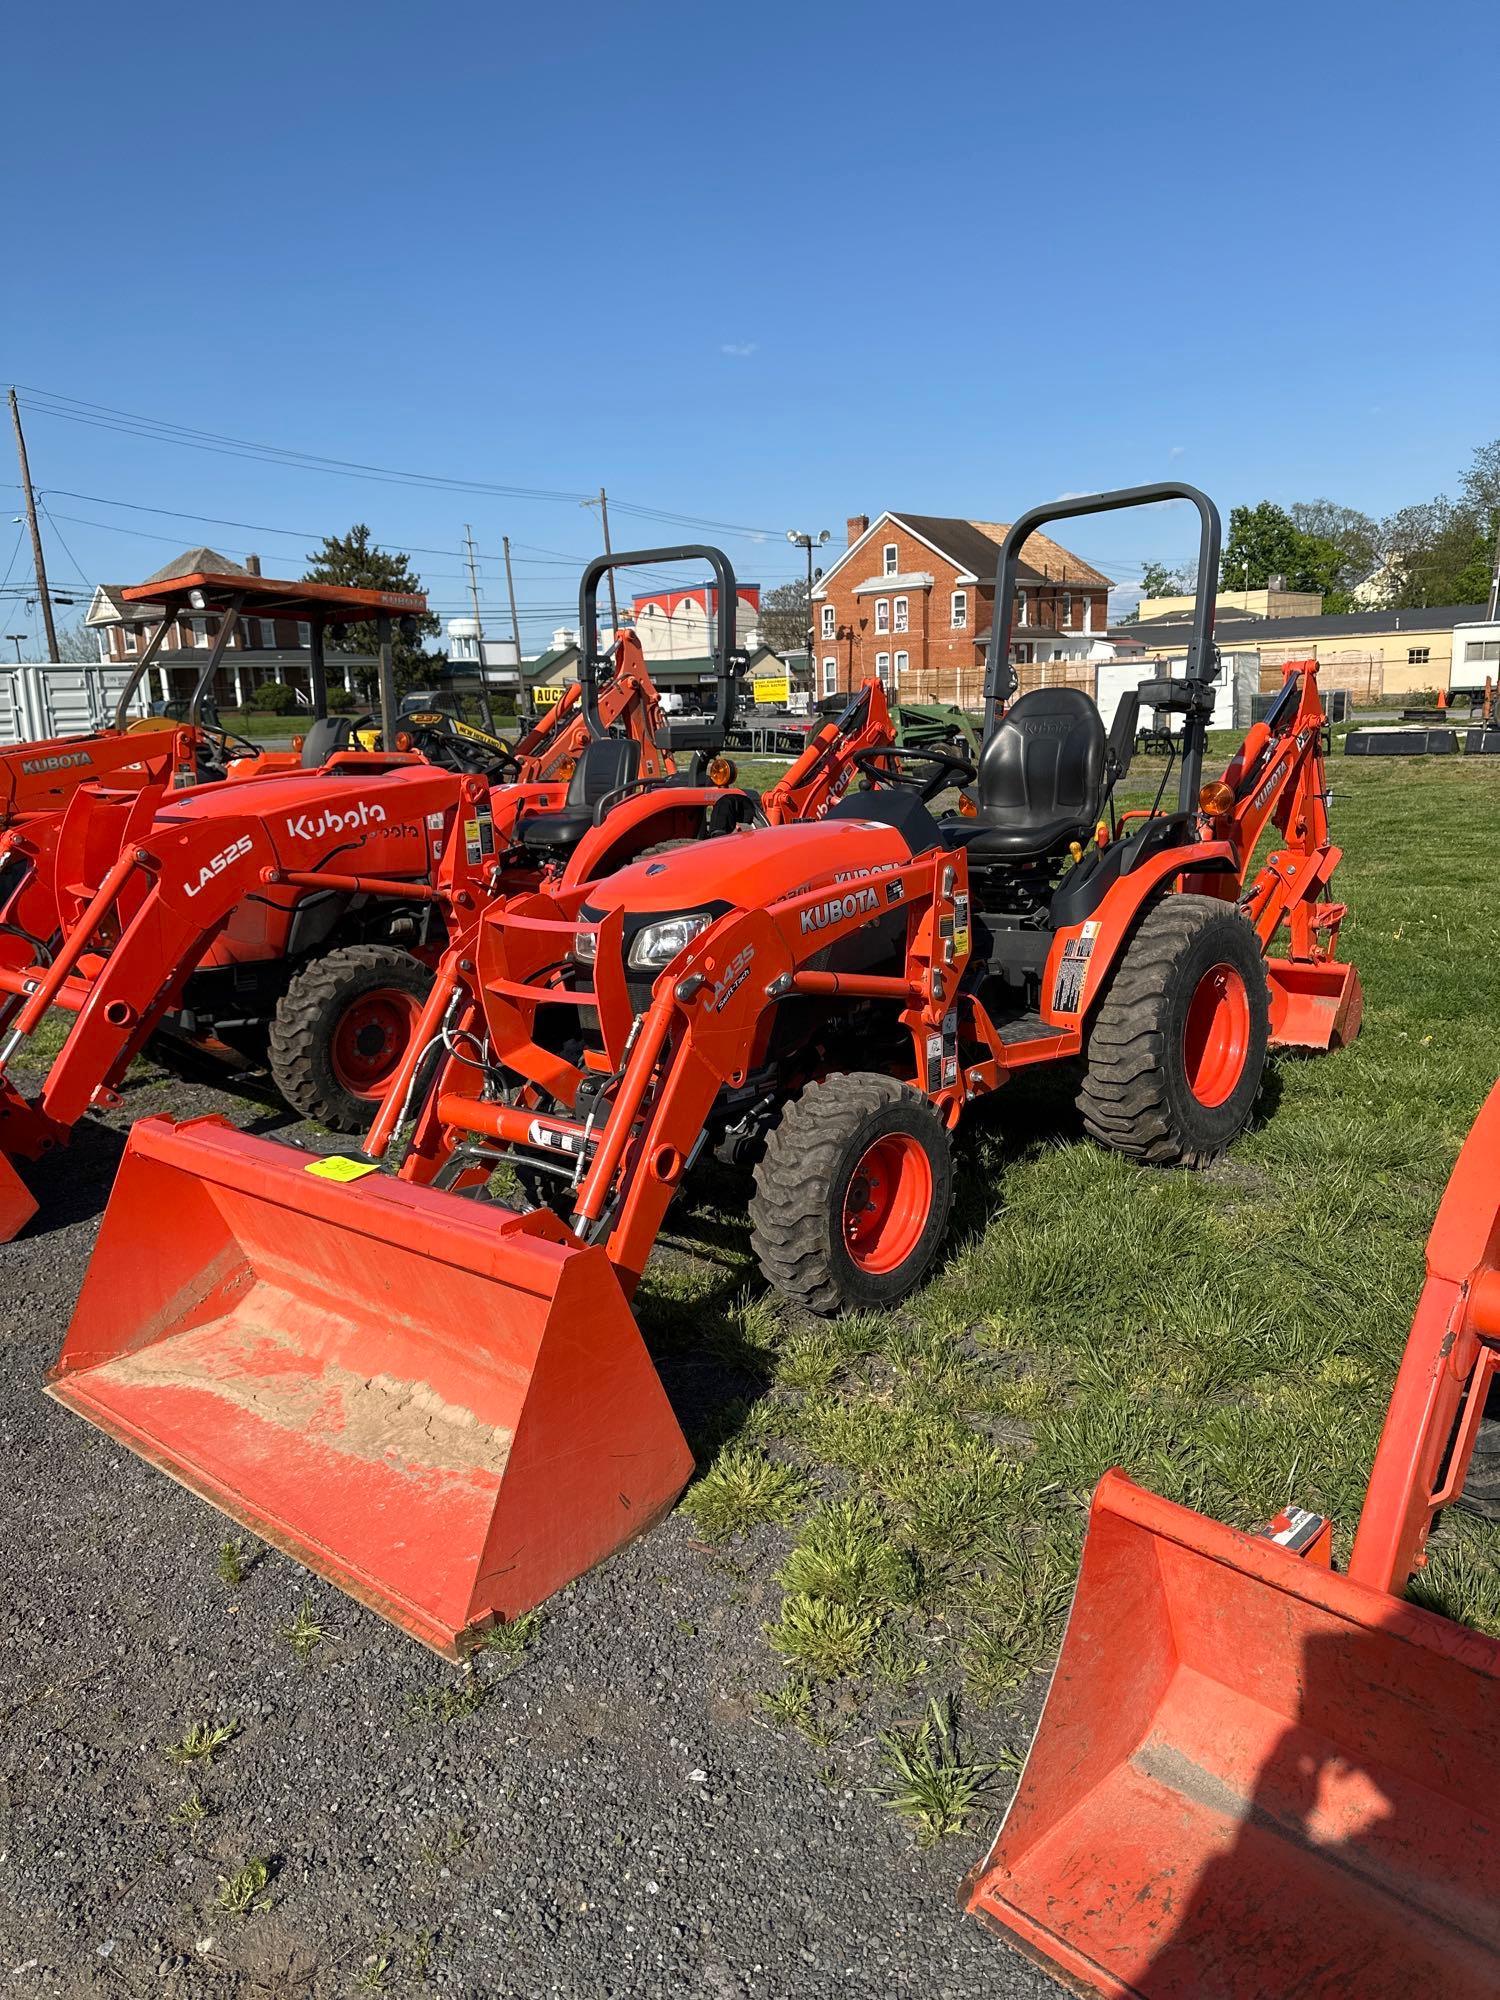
x=748, y=869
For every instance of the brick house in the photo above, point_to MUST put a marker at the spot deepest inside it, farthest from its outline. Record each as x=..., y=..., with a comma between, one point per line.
x=911, y=600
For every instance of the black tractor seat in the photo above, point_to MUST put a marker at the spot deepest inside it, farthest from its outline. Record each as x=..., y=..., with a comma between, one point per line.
x=604, y=766
x=1041, y=780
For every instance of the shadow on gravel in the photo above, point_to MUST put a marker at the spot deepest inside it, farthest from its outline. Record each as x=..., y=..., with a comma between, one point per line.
x=73, y=1184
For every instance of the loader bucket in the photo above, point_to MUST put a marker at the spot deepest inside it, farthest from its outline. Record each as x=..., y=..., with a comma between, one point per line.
x=1315, y=1004
x=1252, y=1777
x=446, y=1409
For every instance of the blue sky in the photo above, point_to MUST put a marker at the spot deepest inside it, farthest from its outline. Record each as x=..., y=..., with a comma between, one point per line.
x=766, y=267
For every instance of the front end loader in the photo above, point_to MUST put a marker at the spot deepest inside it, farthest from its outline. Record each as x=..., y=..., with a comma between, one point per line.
x=817, y=1002
x=1254, y=1775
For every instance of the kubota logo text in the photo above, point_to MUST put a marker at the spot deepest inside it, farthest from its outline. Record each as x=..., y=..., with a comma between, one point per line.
x=837, y=909
x=219, y=863
x=308, y=827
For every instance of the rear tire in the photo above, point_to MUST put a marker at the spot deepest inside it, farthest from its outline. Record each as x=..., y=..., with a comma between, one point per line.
x=852, y=1193
x=1177, y=1047
x=341, y=1028
x=1481, y=1494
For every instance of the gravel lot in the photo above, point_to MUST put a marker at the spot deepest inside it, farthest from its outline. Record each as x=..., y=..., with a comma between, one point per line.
x=607, y=1815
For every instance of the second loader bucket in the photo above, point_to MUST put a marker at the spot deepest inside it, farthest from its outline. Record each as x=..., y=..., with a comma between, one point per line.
x=446, y=1409
x=1252, y=1777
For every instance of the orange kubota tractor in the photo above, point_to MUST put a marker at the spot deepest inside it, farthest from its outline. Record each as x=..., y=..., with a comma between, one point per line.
x=154, y=757
x=310, y=911
x=1255, y=1776
x=446, y=1404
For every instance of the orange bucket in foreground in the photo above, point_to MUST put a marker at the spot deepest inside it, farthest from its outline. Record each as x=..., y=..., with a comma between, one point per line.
x=1252, y=1778
x=446, y=1409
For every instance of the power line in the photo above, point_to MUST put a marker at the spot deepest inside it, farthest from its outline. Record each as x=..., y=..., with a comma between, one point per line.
x=74, y=409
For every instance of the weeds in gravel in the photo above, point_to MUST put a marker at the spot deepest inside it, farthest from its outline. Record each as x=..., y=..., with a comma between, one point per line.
x=444, y=1846
x=304, y=1635
x=927, y=1781
x=235, y=1561
x=202, y=1742
x=512, y=1641
x=789, y=1706
x=449, y=1701
x=826, y=1640
x=372, y=1974
x=189, y=1811
x=741, y=1488
x=244, y=1890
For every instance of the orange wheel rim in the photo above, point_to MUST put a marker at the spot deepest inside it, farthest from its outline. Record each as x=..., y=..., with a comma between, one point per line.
x=370, y=1039
x=1216, y=1037
x=887, y=1203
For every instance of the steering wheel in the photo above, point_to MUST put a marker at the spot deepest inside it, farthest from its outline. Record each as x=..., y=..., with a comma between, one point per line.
x=454, y=753
x=882, y=768
x=226, y=739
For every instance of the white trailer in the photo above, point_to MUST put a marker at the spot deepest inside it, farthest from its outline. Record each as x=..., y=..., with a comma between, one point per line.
x=1476, y=657
x=38, y=701
x=1235, y=686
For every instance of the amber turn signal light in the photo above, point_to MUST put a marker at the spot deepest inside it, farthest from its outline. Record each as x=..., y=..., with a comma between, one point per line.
x=721, y=772
x=1216, y=799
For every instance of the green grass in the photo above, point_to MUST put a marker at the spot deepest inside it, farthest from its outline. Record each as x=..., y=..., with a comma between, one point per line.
x=1229, y=1337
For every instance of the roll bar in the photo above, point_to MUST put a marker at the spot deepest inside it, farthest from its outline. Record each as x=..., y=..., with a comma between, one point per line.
x=1202, y=659
x=724, y=623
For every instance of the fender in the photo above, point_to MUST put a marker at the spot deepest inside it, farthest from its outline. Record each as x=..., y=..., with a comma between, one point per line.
x=1084, y=954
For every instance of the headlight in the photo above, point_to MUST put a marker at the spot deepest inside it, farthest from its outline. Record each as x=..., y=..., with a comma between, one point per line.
x=585, y=946
x=658, y=944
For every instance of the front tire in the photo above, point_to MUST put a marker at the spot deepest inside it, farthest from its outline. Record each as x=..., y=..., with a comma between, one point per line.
x=1177, y=1048
x=341, y=1028
x=852, y=1194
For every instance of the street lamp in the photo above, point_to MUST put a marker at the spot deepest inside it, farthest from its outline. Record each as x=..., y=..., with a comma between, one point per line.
x=809, y=542
x=15, y=639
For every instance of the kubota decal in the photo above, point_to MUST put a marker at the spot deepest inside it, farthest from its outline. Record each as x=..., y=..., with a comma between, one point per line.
x=64, y=760
x=838, y=908
x=359, y=816
x=218, y=864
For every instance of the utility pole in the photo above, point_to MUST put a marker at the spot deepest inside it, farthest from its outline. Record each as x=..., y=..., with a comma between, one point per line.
x=809, y=542
x=602, y=503
x=523, y=693
x=36, y=534
x=1494, y=607
x=474, y=600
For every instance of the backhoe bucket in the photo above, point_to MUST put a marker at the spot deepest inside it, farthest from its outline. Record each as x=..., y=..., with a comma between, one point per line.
x=1252, y=1777
x=1314, y=1004
x=446, y=1409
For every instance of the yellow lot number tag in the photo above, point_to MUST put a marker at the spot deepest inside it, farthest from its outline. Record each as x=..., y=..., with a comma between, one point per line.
x=336, y=1168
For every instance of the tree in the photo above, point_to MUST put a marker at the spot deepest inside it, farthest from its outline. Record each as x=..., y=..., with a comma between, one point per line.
x=783, y=616
x=1440, y=553
x=354, y=560
x=77, y=645
x=1158, y=581
x=1353, y=535
x=1481, y=483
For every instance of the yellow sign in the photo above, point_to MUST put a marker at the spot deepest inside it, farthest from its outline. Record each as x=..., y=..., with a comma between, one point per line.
x=773, y=690
x=336, y=1168
x=546, y=697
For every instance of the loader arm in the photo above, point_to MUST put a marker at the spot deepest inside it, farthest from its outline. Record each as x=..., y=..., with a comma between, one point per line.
x=174, y=886
x=822, y=774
